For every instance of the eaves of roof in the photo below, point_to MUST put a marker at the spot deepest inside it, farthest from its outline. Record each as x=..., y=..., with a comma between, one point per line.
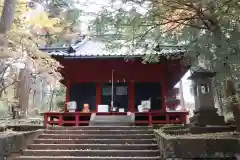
x=90, y=48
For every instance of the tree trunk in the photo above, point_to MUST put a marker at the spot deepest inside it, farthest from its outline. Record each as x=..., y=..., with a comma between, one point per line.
x=5, y=25
x=7, y=15
x=234, y=104
x=24, y=91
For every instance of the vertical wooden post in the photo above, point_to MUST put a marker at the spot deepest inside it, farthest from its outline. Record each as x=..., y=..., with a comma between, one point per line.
x=45, y=120
x=164, y=96
x=167, y=118
x=67, y=95
x=60, y=119
x=183, y=118
x=98, y=95
x=76, y=118
x=164, y=86
x=131, y=96
x=149, y=119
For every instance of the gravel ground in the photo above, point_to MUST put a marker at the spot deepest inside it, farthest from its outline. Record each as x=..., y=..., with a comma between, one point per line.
x=9, y=133
x=32, y=121
x=222, y=135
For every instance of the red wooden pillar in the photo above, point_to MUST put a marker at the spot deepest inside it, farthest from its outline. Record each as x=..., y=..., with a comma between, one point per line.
x=149, y=119
x=45, y=120
x=76, y=118
x=164, y=88
x=183, y=118
x=167, y=118
x=60, y=119
x=131, y=96
x=67, y=95
x=98, y=95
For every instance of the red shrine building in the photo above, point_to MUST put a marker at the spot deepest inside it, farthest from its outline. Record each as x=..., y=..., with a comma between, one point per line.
x=95, y=76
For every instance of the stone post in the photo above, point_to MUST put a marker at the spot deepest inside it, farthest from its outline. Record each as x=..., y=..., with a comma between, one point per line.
x=205, y=112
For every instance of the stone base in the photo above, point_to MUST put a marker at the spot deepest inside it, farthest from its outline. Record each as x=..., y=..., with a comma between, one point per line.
x=207, y=117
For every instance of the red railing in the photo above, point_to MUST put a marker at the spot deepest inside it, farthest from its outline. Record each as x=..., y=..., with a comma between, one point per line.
x=66, y=118
x=160, y=118
x=141, y=118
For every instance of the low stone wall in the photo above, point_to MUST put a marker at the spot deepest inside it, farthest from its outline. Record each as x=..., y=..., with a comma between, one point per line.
x=14, y=143
x=187, y=147
x=24, y=127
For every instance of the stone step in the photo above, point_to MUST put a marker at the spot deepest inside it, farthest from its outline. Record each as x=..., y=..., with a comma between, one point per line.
x=102, y=128
x=98, y=131
x=122, y=118
x=112, y=120
x=107, y=123
x=94, y=146
x=96, y=136
x=85, y=158
x=96, y=153
x=95, y=141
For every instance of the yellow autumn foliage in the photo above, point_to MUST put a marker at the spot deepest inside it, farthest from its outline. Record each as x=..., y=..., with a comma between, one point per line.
x=21, y=40
x=32, y=17
x=40, y=19
x=175, y=15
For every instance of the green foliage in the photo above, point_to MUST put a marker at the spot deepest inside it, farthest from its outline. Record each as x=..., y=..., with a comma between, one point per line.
x=66, y=18
x=59, y=97
x=60, y=104
x=209, y=29
x=72, y=16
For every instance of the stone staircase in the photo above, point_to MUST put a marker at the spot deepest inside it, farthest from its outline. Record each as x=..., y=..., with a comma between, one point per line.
x=93, y=143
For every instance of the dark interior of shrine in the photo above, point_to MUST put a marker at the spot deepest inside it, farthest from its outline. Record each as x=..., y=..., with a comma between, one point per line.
x=85, y=93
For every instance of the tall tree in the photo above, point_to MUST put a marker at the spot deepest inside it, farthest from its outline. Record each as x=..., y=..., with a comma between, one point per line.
x=209, y=28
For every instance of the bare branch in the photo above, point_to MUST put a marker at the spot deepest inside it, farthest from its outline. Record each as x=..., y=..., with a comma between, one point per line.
x=5, y=87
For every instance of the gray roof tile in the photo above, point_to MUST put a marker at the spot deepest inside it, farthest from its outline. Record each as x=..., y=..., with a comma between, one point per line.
x=95, y=48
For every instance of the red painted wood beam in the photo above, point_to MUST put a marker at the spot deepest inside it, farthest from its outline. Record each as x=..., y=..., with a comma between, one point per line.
x=131, y=70
x=128, y=71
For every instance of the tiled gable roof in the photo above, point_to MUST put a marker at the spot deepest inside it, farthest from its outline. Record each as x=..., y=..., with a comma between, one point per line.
x=95, y=48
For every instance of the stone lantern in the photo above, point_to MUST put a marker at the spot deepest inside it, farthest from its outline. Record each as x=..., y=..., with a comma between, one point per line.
x=205, y=112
